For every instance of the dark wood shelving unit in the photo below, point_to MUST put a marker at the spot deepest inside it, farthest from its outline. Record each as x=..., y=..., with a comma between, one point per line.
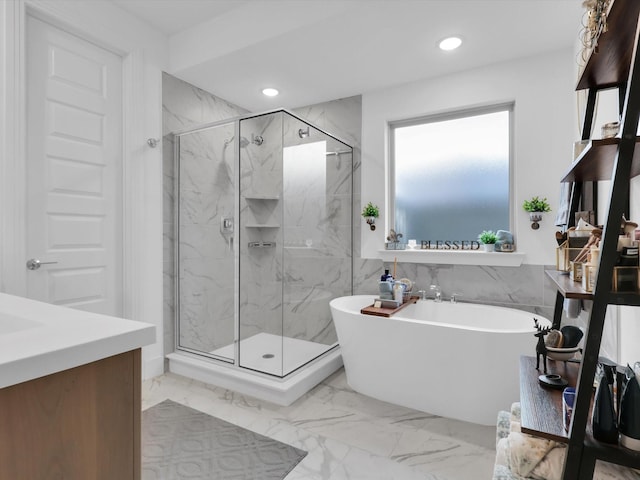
x=568, y=287
x=596, y=161
x=609, y=66
x=615, y=64
x=541, y=408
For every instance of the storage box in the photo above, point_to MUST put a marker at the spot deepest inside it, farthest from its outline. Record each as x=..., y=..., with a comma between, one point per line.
x=625, y=279
x=564, y=257
x=575, y=272
x=589, y=273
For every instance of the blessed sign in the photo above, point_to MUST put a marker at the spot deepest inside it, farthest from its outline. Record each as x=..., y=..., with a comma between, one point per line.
x=449, y=245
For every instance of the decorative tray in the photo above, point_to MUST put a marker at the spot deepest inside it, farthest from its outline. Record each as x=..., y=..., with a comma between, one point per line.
x=387, y=312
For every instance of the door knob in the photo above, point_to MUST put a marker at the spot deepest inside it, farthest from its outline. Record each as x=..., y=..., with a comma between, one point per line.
x=34, y=263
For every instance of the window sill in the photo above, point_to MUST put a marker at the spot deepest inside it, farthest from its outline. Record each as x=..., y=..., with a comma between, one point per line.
x=465, y=257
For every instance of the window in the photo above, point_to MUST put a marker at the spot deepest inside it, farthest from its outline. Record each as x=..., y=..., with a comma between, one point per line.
x=450, y=175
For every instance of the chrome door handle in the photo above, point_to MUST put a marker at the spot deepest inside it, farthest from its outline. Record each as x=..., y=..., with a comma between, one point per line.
x=34, y=263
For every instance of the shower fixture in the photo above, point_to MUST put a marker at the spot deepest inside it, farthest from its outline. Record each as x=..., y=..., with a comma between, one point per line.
x=303, y=133
x=257, y=139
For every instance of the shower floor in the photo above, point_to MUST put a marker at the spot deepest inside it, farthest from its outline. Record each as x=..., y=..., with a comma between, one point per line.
x=254, y=349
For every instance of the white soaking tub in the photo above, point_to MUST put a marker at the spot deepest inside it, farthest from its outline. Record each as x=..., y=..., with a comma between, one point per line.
x=458, y=360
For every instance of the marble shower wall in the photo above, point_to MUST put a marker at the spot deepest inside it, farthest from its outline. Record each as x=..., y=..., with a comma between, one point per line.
x=185, y=106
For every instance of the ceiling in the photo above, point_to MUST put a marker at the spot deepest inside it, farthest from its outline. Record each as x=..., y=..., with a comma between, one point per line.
x=318, y=50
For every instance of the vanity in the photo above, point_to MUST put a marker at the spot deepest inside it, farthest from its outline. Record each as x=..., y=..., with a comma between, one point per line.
x=70, y=384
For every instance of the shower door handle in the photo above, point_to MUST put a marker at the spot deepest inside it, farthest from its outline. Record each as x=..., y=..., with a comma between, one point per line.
x=34, y=263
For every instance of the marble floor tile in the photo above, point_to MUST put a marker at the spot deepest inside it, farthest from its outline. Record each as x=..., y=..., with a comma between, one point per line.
x=348, y=436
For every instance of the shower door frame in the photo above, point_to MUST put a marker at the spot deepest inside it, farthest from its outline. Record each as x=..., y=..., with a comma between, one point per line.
x=235, y=362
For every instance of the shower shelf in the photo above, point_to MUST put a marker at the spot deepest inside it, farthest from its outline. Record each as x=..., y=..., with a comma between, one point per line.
x=262, y=225
x=262, y=244
x=274, y=198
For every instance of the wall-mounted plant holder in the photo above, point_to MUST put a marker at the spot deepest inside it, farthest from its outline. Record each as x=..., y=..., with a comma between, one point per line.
x=372, y=222
x=536, y=207
x=535, y=218
x=370, y=213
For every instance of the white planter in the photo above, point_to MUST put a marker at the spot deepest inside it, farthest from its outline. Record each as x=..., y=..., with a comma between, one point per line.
x=489, y=247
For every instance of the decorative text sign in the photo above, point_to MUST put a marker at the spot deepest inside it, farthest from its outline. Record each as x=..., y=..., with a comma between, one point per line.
x=449, y=245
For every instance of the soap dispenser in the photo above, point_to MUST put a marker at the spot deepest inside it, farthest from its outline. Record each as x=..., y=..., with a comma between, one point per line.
x=386, y=276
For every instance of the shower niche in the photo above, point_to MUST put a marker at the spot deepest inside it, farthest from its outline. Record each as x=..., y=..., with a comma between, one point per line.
x=263, y=242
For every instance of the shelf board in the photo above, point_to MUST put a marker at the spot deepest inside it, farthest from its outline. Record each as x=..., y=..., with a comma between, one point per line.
x=541, y=408
x=568, y=287
x=596, y=161
x=541, y=412
x=612, y=453
x=262, y=225
x=274, y=198
x=609, y=65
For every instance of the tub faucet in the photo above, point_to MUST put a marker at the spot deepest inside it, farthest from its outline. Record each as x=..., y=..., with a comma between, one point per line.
x=454, y=297
x=437, y=293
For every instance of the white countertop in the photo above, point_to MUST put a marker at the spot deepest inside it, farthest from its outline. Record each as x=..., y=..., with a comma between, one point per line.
x=38, y=339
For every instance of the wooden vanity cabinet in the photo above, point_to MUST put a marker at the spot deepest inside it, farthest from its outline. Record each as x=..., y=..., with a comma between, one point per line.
x=77, y=424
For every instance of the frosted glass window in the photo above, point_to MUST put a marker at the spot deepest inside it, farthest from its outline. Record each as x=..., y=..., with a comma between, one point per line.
x=450, y=175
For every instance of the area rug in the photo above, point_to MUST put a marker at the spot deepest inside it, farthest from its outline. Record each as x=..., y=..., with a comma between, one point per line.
x=179, y=443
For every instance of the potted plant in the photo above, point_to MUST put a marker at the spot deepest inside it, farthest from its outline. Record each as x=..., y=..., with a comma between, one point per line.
x=488, y=239
x=536, y=207
x=370, y=213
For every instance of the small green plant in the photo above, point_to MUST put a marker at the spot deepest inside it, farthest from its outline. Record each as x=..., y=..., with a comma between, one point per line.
x=371, y=210
x=536, y=205
x=488, y=237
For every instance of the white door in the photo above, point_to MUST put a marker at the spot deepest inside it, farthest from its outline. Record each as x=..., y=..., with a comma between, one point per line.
x=74, y=171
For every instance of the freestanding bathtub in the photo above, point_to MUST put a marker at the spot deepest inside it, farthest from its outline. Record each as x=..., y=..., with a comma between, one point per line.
x=458, y=360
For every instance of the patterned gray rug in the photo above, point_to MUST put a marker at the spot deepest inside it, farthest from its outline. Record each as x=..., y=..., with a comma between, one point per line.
x=179, y=443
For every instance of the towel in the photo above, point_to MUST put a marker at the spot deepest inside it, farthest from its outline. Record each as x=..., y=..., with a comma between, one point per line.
x=562, y=216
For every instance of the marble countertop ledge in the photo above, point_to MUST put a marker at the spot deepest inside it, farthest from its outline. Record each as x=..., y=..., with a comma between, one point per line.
x=38, y=339
x=454, y=257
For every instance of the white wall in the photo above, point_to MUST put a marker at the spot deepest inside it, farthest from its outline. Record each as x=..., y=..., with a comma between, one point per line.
x=542, y=88
x=143, y=50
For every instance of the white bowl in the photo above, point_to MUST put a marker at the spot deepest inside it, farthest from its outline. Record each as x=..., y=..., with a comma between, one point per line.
x=561, y=354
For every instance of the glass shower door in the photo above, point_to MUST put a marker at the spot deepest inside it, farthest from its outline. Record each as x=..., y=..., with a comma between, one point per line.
x=317, y=222
x=205, y=268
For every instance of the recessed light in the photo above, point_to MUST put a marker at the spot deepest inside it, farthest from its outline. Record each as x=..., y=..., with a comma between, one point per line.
x=270, y=92
x=450, y=43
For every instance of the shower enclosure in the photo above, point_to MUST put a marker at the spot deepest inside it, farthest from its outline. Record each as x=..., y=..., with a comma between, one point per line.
x=263, y=242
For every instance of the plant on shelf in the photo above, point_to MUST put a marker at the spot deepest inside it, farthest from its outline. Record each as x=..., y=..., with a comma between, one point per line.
x=488, y=238
x=536, y=207
x=370, y=213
